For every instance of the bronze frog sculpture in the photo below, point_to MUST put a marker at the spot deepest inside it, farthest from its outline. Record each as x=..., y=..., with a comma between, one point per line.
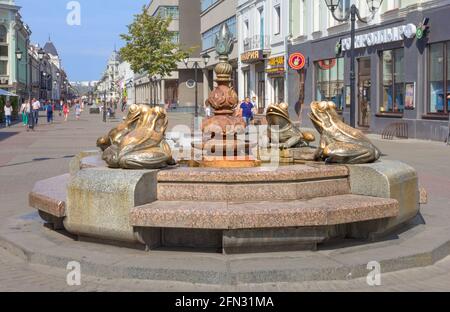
x=339, y=142
x=289, y=136
x=138, y=142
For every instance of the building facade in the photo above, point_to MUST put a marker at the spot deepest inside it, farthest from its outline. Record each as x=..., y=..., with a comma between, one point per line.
x=401, y=74
x=108, y=88
x=177, y=90
x=213, y=14
x=14, y=35
x=263, y=29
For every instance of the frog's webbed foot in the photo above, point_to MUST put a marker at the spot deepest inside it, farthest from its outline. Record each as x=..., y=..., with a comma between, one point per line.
x=153, y=158
x=347, y=153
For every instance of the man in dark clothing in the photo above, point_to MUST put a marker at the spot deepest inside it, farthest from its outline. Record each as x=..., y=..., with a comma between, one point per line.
x=247, y=111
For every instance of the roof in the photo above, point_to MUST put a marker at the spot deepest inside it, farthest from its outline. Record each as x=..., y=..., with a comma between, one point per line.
x=51, y=49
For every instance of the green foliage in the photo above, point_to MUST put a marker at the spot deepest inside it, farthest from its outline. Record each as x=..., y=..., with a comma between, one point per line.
x=150, y=47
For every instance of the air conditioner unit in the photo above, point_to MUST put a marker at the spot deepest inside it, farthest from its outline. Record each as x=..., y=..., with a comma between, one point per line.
x=4, y=81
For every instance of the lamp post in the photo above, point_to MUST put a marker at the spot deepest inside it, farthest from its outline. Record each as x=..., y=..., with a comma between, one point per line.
x=41, y=54
x=352, y=14
x=196, y=66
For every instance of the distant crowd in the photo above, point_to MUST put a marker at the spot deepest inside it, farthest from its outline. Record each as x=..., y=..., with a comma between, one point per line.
x=29, y=111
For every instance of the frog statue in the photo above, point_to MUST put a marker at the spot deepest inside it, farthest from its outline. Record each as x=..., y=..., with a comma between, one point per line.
x=289, y=136
x=138, y=142
x=339, y=142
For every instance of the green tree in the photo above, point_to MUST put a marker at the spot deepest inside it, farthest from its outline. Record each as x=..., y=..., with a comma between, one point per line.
x=150, y=46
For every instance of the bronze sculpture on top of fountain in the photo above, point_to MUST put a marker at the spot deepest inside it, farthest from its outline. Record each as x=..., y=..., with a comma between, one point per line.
x=138, y=142
x=220, y=143
x=340, y=143
x=282, y=129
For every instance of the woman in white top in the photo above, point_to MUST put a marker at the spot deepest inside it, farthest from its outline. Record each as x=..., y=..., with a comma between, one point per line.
x=25, y=109
x=8, y=113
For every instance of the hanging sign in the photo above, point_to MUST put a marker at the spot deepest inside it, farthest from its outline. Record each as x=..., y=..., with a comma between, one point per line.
x=252, y=56
x=297, y=61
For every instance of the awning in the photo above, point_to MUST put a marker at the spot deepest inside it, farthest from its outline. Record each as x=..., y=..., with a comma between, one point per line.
x=6, y=93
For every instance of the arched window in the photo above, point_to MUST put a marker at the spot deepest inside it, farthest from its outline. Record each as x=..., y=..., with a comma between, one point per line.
x=3, y=34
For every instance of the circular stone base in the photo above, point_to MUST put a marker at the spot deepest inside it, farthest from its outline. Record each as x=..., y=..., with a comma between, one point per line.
x=25, y=236
x=225, y=163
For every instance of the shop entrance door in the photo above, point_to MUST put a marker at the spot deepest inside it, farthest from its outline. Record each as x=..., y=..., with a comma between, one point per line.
x=364, y=86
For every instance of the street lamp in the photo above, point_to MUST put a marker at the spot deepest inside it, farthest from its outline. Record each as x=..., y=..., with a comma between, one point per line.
x=352, y=15
x=196, y=66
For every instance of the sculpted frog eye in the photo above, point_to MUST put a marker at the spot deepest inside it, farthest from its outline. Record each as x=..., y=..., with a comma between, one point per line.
x=323, y=106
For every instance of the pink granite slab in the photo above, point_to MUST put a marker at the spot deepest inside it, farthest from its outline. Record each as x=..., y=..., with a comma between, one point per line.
x=260, y=174
x=331, y=210
x=50, y=195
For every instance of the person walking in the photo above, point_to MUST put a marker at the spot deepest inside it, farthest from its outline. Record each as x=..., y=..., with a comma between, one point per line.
x=24, y=113
x=35, y=107
x=77, y=110
x=49, y=109
x=247, y=111
x=66, y=111
x=8, y=114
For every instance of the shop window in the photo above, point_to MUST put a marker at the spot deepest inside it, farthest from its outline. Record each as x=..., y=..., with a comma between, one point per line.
x=393, y=73
x=439, y=78
x=330, y=81
x=278, y=90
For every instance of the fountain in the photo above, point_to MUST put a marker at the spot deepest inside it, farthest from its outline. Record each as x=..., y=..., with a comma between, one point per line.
x=231, y=202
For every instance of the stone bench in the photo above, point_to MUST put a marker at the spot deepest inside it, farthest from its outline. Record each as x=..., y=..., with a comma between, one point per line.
x=49, y=197
x=257, y=226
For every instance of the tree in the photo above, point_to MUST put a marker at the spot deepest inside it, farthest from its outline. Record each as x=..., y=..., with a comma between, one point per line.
x=150, y=47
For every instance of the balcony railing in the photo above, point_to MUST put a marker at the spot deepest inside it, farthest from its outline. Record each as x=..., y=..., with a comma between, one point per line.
x=257, y=42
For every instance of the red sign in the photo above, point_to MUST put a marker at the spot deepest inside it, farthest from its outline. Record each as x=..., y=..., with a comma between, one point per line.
x=297, y=61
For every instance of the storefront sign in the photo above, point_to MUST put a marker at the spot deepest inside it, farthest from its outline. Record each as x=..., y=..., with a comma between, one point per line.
x=297, y=61
x=275, y=65
x=381, y=37
x=252, y=56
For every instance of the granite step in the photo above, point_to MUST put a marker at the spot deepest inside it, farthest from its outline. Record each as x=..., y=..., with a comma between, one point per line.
x=297, y=182
x=323, y=211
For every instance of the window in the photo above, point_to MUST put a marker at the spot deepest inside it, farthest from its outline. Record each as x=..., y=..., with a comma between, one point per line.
x=207, y=3
x=277, y=20
x=168, y=11
x=209, y=36
x=393, y=72
x=4, y=50
x=439, y=78
x=3, y=68
x=278, y=90
x=3, y=34
x=246, y=74
x=246, y=29
x=175, y=37
x=330, y=81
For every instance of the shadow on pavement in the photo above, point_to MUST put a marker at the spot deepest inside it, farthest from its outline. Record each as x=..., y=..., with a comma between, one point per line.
x=7, y=135
x=37, y=160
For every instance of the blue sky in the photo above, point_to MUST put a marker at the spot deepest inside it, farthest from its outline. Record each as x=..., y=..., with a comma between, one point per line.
x=84, y=49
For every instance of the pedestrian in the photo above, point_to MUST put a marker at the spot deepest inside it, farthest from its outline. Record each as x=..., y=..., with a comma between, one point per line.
x=77, y=110
x=35, y=107
x=49, y=109
x=66, y=111
x=8, y=113
x=247, y=111
x=23, y=111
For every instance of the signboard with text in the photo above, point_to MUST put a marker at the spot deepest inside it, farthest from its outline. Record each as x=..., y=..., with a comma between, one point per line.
x=252, y=56
x=275, y=66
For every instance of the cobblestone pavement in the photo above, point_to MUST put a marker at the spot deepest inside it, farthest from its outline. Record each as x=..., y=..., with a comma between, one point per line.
x=26, y=157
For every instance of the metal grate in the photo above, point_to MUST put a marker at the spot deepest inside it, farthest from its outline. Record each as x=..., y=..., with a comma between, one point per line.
x=396, y=130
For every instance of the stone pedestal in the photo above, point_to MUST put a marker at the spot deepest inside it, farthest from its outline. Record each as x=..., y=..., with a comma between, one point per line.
x=385, y=179
x=99, y=201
